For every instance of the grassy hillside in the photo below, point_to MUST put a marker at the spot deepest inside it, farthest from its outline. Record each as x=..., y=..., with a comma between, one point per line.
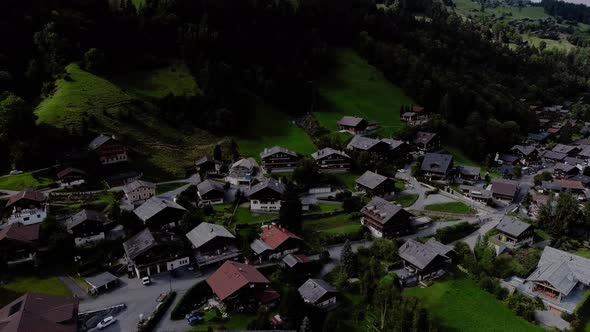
x=357, y=88
x=468, y=7
x=460, y=305
x=25, y=181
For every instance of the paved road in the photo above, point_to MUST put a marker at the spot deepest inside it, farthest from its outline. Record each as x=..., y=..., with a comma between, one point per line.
x=73, y=287
x=551, y=320
x=472, y=238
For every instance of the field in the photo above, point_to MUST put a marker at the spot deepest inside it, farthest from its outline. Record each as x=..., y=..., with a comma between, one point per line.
x=561, y=44
x=452, y=207
x=357, y=88
x=338, y=224
x=24, y=181
x=242, y=215
x=406, y=200
x=460, y=305
x=347, y=180
x=468, y=7
x=21, y=285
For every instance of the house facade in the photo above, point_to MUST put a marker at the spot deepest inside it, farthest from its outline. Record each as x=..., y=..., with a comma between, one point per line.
x=426, y=141
x=274, y=243
x=266, y=196
x=384, y=219
x=108, y=150
x=278, y=159
x=27, y=207
x=210, y=192
x=18, y=243
x=242, y=171
x=87, y=227
x=208, y=166
x=70, y=177
x=512, y=234
x=212, y=244
x=353, y=124
x=436, y=166
x=318, y=293
x=504, y=190
x=158, y=211
x=331, y=160
x=138, y=191
x=468, y=174
x=423, y=261
x=374, y=184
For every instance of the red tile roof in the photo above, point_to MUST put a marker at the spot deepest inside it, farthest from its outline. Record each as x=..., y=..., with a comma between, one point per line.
x=69, y=170
x=417, y=109
x=39, y=312
x=274, y=236
x=233, y=276
x=267, y=295
x=571, y=184
x=20, y=232
x=28, y=195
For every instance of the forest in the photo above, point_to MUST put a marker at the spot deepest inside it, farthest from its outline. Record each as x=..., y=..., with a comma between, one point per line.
x=566, y=10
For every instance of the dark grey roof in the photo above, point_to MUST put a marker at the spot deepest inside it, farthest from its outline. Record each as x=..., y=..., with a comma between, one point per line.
x=562, y=148
x=210, y=185
x=524, y=149
x=538, y=136
x=582, y=178
x=83, y=216
x=573, y=161
x=418, y=254
x=314, y=290
x=554, y=155
x=362, y=143
x=207, y=159
x=206, y=232
x=276, y=149
x=512, y=226
x=270, y=183
x=469, y=170
x=327, y=152
x=551, y=185
x=393, y=144
x=509, y=157
x=153, y=206
x=439, y=248
x=139, y=243
x=424, y=137
x=436, y=162
x=386, y=210
x=248, y=163
x=371, y=180
x=564, y=167
x=101, y=279
x=562, y=269
x=137, y=184
x=585, y=152
x=259, y=246
x=98, y=141
x=350, y=121
x=504, y=187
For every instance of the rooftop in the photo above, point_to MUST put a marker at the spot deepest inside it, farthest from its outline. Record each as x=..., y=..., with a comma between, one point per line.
x=206, y=232
x=371, y=180
x=233, y=276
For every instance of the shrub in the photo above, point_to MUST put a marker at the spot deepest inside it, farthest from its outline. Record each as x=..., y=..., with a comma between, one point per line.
x=153, y=320
x=453, y=233
x=195, y=295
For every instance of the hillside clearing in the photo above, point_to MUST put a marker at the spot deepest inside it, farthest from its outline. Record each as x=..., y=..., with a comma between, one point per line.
x=24, y=181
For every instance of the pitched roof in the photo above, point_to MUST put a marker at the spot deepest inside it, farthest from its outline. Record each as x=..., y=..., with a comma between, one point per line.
x=206, y=232
x=371, y=180
x=554, y=155
x=585, y=152
x=418, y=254
x=393, y=144
x=82, y=216
x=233, y=276
x=292, y=260
x=20, y=232
x=99, y=141
x=562, y=148
x=274, y=236
x=424, y=137
x=269, y=183
x=509, y=158
x=248, y=163
x=538, y=136
x=40, y=312
x=206, y=159
x=210, y=185
x=362, y=143
x=327, y=152
x=524, y=149
x=276, y=149
x=153, y=206
x=67, y=171
x=561, y=269
x=439, y=248
x=571, y=184
x=382, y=208
x=350, y=121
x=139, y=243
x=315, y=289
x=136, y=185
x=36, y=196
x=504, y=187
x=101, y=279
x=436, y=162
x=469, y=170
x=564, y=167
x=259, y=246
x=512, y=226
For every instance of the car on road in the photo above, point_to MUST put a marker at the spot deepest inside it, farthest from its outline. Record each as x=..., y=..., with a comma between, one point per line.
x=105, y=322
x=15, y=172
x=146, y=281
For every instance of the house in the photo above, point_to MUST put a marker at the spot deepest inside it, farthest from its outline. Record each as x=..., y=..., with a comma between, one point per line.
x=122, y=178
x=423, y=261
x=385, y=219
x=18, y=244
x=584, y=179
x=138, y=191
x=108, y=149
x=208, y=166
x=158, y=211
x=318, y=293
x=241, y=285
x=70, y=176
x=210, y=192
x=277, y=159
x=537, y=138
x=569, y=150
x=329, y=159
x=468, y=174
x=512, y=233
x=28, y=207
x=212, y=244
x=101, y=282
x=374, y=184
x=415, y=116
x=565, y=171
x=266, y=196
x=86, y=226
x=436, y=166
x=353, y=124
x=380, y=147
x=293, y=261
x=508, y=159
x=396, y=148
x=553, y=156
x=275, y=242
x=35, y=312
x=504, y=190
x=426, y=141
x=585, y=153
x=242, y=171
x=150, y=252
x=476, y=193
x=526, y=153
x=574, y=161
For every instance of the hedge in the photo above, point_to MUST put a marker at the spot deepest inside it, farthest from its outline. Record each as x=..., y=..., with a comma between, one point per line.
x=193, y=295
x=453, y=233
x=150, y=323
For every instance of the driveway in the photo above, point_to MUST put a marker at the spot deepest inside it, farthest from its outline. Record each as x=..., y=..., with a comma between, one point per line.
x=472, y=238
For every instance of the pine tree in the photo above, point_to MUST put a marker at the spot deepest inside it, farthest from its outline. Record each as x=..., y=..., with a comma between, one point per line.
x=347, y=258
x=305, y=325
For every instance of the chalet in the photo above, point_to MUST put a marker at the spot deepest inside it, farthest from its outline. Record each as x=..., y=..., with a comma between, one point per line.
x=585, y=153
x=277, y=159
x=415, y=116
x=318, y=293
x=70, y=176
x=553, y=156
x=512, y=234
x=275, y=242
x=374, y=184
x=150, y=252
x=569, y=150
x=504, y=190
x=385, y=219
x=468, y=174
x=426, y=141
x=266, y=196
x=208, y=166
x=210, y=192
x=212, y=244
x=28, y=207
x=396, y=148
x=242, y=171
x=122, y=178
x=18, y=244
x=34, y=312
x=158, y=211
x=353, y=125
x=329, y=159
x=239, y=285
x=108, y=149
x=137, y=192
x=371, y=145
x=574, y=161
x=508, y=160
x=476, y=193
x=527, y=153
x=565, y=171
x=436, y=166
x=294, y=261
x=423, y=261
x=537, y=138
x=86, y=226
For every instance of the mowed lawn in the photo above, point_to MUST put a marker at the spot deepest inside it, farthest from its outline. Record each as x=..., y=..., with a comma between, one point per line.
x=338, y=224
x=357, y=88
x=406, y=200
x=24, y=181
x=20, y=285
x=452, y=207
x=460, y=305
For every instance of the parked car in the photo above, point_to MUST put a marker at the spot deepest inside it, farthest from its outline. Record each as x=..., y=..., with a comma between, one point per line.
x=105, y=322
x=194, y=320
x=146, y=281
